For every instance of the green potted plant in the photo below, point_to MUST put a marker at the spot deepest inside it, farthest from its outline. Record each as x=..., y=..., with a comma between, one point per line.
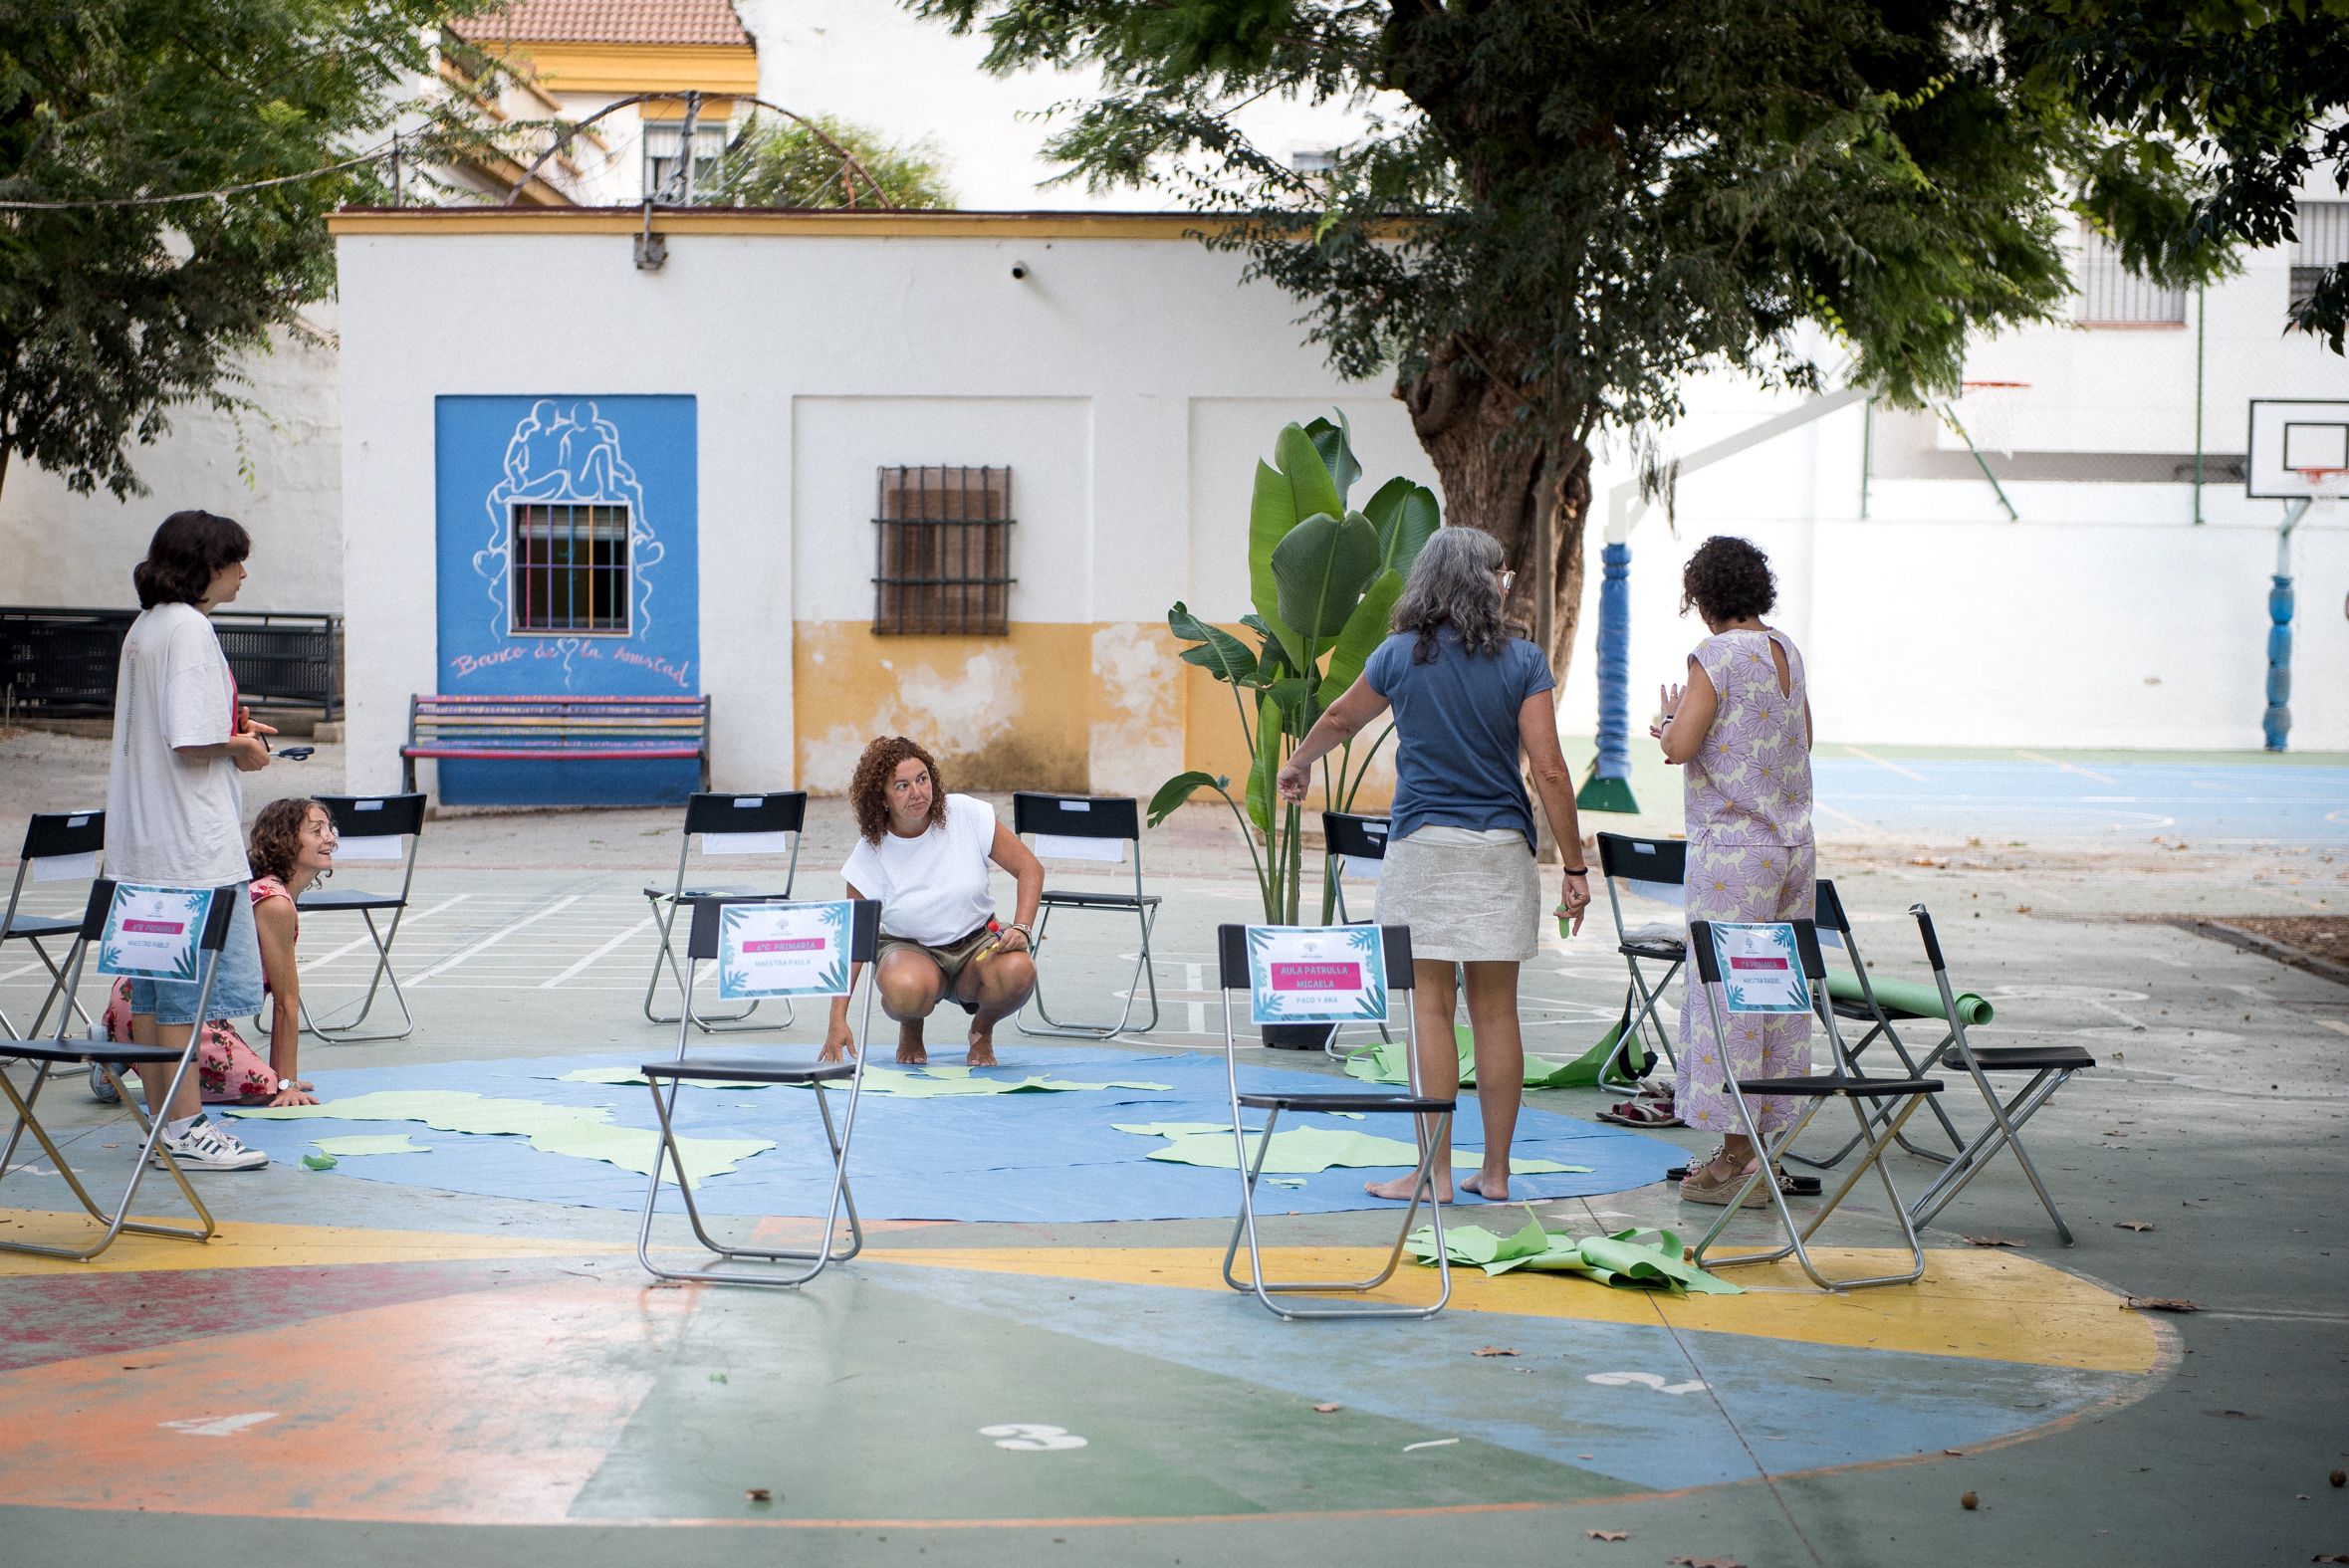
x=1323, y=581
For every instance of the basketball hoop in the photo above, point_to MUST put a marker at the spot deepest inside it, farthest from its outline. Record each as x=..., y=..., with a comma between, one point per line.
x=2324, y=484
x=1988, y=412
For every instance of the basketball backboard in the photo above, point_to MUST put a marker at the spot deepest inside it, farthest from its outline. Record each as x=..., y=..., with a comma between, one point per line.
x=2299, y=448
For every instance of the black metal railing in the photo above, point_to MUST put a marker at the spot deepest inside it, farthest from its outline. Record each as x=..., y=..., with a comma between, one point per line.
x=943, y=552
x=60, y=663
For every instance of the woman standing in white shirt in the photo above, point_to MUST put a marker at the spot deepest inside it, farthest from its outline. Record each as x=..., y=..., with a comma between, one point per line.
x=925, y=854
x=174, y=810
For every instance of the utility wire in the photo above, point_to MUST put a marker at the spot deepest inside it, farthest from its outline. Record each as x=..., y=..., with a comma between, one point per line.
x=376, y=156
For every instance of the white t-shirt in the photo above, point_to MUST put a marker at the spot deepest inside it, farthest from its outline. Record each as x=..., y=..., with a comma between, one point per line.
x=170, y=818
x=933, y=889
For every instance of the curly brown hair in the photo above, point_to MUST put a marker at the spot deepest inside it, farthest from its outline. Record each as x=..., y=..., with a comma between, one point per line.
x=1727, y=580
x=868, y=788
x=276, y=841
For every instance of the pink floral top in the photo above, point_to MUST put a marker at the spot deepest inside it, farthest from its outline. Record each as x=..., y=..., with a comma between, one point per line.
x=1749, y=782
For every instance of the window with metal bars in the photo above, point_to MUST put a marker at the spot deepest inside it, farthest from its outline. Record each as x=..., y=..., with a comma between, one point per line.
x=567, y=567
x=943, y=552
x=2320, y=243
x=2110, y=295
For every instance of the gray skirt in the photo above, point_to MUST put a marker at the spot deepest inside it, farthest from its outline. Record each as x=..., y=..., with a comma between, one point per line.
x=1469, y=898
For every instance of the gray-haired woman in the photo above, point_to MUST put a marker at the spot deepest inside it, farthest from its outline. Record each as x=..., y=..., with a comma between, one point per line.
x=1468, y=699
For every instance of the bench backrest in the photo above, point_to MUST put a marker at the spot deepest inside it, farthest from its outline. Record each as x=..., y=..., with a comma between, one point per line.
x=523, y=719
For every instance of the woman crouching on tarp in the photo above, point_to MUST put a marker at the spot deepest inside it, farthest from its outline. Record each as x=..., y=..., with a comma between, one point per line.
x=925, y=854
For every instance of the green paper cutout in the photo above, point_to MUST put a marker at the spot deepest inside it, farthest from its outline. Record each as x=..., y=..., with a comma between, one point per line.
x=1615, y=1260
x=369, y=1143
x=1301, y=1151
x=1381, y=1061
x=579, y=1130
x=319, y=1162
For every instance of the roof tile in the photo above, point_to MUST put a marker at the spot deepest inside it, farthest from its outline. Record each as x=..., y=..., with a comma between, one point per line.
x=607, y=22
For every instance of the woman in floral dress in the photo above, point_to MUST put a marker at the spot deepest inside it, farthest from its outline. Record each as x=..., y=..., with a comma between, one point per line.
x=1742, y=729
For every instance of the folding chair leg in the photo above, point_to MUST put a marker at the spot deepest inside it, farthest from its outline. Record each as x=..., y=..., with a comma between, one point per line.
x=817, y=1260
x=57, y=986
x=1422, y=1185
x=1912, y=1068
x=2004, y=1132
x=347, y=1033
x=665, y=957
x=1145, y=973
x=119, y=1221
x=1799, y=1235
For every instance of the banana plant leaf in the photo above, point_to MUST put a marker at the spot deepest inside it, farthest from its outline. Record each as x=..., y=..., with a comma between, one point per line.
x=1335, y=443
x=1406, y=517
x=1266, y=764
x=1219, y=653
x=1181, y=787
x=1319, y=571
x=1294, y=486
x=1364, y=630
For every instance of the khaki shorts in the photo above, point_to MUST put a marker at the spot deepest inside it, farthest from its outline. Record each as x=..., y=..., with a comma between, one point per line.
x=952, y=958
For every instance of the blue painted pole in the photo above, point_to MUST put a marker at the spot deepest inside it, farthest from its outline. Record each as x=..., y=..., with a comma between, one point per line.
x=1609, y=787
x=2277, y=721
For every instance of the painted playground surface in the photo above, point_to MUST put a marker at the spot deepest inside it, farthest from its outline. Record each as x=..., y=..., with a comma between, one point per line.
x=453, y=1353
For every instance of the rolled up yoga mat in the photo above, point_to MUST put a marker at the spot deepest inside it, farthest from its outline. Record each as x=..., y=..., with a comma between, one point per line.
x=1907, y=998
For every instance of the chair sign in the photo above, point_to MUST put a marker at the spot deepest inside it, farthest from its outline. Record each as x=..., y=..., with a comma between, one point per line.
x=1316, y=974
x=784, y=950
x=152, y=933
x=1760, y=971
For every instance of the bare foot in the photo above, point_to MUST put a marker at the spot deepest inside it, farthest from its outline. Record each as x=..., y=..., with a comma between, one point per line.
x=911, y=1052
x=1401, y=1187
x=1492, y=1188
x=982, y=1047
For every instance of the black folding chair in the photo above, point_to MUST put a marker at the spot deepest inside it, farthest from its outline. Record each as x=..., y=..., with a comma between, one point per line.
x=96, y=926
x=1358, y=844
x=1100, y=828
x=1835, y=933
x=726, y=824
x=706, y=940
x=2049, y=1067
x=368, y=827
x=1650, y=872
x=1431, y=1121
x=58, y=846
x=1817, y=1089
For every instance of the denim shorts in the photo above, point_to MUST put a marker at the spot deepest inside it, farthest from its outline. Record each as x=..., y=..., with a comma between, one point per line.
x=236, y=988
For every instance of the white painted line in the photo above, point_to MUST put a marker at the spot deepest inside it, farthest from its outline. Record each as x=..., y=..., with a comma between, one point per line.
x=549, y=985
x=356, y=943
x=1858, y=822
x=220, y=1426
x=2069, y=767
x=1871, y=757
x=1432, y=1442
x=494, y=937
x=2334, y=1023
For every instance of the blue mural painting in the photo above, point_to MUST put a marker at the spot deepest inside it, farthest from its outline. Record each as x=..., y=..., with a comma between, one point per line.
x=568, y=565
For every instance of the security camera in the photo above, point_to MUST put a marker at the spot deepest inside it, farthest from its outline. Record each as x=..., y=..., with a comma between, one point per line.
x=1018, y=270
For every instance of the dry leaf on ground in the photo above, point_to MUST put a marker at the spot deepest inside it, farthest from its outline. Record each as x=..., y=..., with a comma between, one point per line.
x=2132, y=1225
x=1492, y=1350
x=1707, y=1562
x=1323, y=1410
x=758, y=1494
x=2160, y=1304
x=1994, y=1240
x=1610, y=1535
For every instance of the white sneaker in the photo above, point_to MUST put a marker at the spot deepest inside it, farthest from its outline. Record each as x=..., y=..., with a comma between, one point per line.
x=205, y=1147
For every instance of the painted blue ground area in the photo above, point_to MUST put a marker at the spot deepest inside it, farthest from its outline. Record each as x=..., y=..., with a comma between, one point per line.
x=2037, y=801
x=1790, y=1406
x=1024, y=1157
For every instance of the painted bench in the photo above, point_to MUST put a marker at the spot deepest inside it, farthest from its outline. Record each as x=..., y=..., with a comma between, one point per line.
x=519, y=728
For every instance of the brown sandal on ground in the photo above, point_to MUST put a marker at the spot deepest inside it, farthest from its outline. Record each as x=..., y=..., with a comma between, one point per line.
x=1642, y=1113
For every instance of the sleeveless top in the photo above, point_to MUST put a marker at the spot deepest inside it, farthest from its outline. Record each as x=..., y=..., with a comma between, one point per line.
x=1749, y=782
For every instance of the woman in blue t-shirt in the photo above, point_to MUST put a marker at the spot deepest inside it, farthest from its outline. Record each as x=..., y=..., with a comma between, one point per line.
x=1467, y=698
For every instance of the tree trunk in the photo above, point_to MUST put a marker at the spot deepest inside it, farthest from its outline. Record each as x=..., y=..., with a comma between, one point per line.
x=1462, y=418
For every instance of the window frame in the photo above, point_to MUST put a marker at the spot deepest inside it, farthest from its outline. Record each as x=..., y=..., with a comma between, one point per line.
x=927, y=518
x=517, y=592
